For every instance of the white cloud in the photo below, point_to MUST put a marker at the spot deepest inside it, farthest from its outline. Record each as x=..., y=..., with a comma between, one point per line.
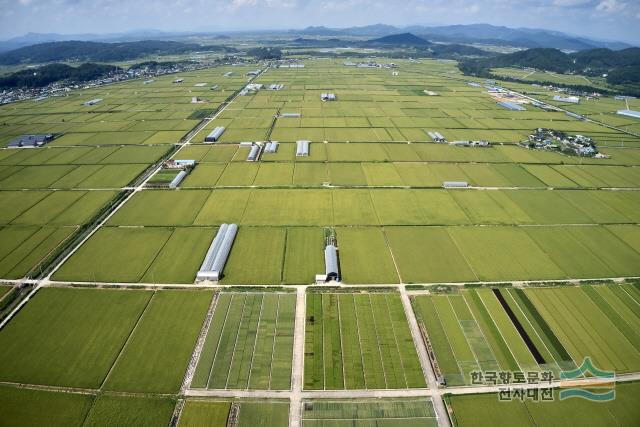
x=571, y=3
x=591, y=17
x=610, y=6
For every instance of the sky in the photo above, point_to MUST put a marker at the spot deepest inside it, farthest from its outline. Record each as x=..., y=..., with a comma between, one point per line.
x=599, y=19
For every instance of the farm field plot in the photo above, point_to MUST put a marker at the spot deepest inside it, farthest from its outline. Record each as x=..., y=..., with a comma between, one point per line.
x=251, y=413
x=23, y=249
x=148, y=255
x=35, y=225
x=29, y=407
x=534, y=329
x=157, y=353
x=484, y=409
x=62, y=208
x=360, y=413
x=365, y=256
x=304, y=254
x=473, y=331
x=139, y=411
x=374, y=206
x=249, y=344
x=115, y=255
x=72, y=176
x=293, y=255
x=37, y=346
x=358, y=341
x=598, y=321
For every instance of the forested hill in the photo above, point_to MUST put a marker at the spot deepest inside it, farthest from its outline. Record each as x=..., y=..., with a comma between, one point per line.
x=42, y=76
x=95, y=51
x=405, y=39
x=622, y=67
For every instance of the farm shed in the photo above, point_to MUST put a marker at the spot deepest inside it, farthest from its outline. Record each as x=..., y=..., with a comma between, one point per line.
x=302, y=148
x=331, y=262
x=178, y=179
x=328, y=97
x=511, y=106
x=218, y=253
x=436, y=136
x=215, y=134
x=92, y=102
x=254, y=153
x=185, y=162
x=455, y=184
x=271, y=147
x=569, y=99
x=630, y=113
x=290, y=115
x=30, y=141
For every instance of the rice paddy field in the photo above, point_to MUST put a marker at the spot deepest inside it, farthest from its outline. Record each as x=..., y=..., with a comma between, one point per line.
x=378, y=412
x=486, y=409
x=375, y=178
x=249, y=344
x=533, y=329
x=144, y=346
x=355, y=341
x=250, y=413
x=47, y=194
x=120, y=333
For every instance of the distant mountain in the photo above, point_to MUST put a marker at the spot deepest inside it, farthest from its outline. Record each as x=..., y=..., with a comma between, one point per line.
x=460, y=34
x=622, y=67
x=457, y=51
x=518, y=37
x=475, y=33
x=372, y=30
x=317, y=31
x=404, y=39
x=30, y=39
x=589, y=62
x=309, y=42
x=94, y=51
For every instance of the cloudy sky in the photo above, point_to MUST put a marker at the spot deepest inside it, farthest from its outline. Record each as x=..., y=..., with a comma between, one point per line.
x=605, y=19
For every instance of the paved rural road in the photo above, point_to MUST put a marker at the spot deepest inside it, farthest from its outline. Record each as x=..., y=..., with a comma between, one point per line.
x=430, y=376
x=297, y=373
x=363, y=394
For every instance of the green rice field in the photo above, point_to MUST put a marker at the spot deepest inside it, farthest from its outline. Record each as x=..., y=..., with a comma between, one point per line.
x=358, y=341
x=367, y=412
x=249, y=343
x=484, y=409
x=251, y=413
x=532, y=266
x=144, y=347
x=554, y=329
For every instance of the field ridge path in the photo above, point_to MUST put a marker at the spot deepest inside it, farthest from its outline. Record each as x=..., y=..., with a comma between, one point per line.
x=427, y=369
x=295, y=398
